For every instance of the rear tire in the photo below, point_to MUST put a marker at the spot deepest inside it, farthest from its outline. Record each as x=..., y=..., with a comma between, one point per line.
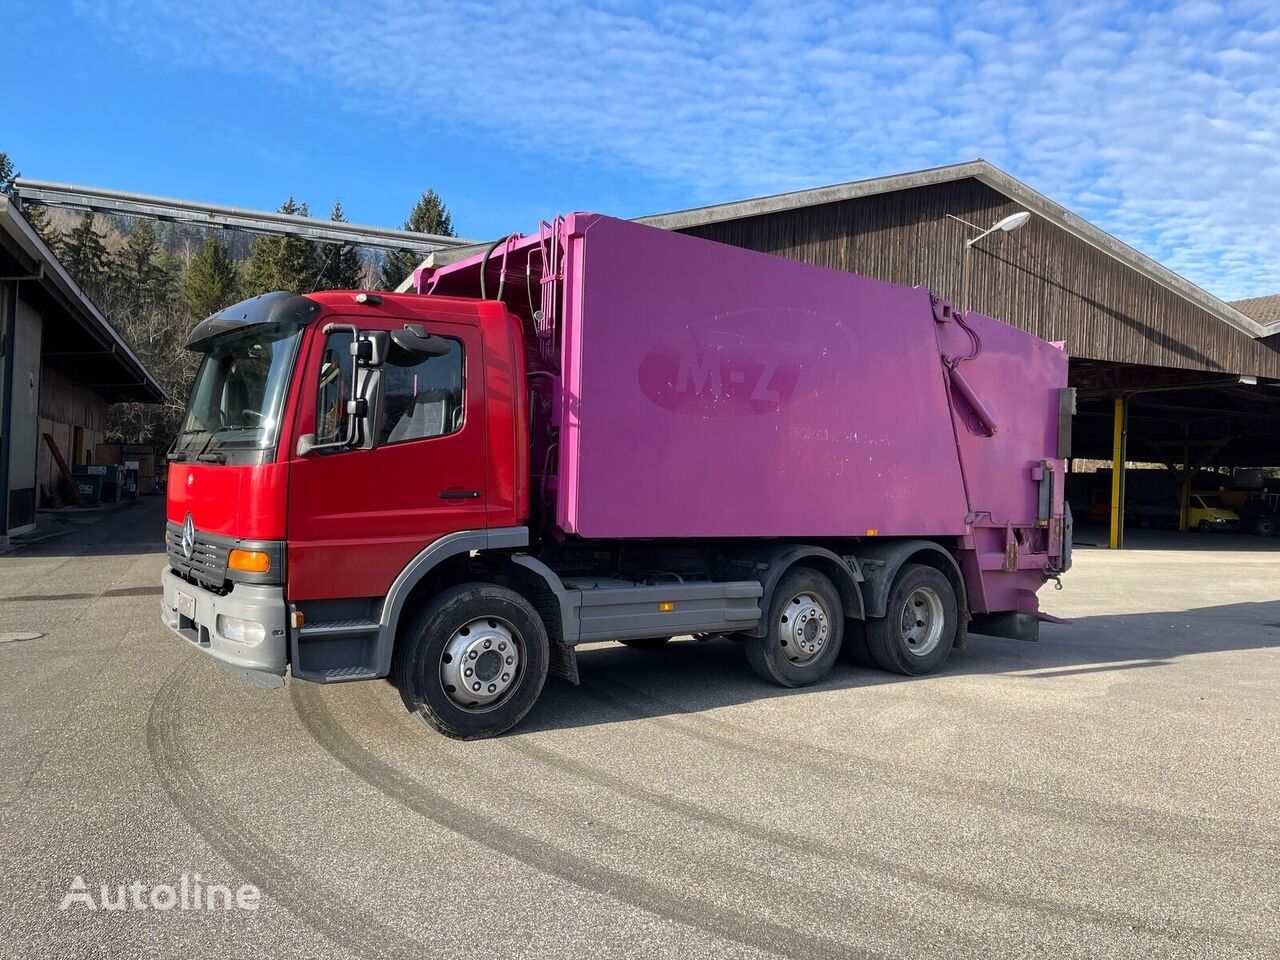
x=472, y=662
x=1264, y=527
x=648, y=643
x=804, y=630
x=918, y=630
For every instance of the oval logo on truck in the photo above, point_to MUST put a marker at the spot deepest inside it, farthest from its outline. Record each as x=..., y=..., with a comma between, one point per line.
x=188, y=537
x=747, y=362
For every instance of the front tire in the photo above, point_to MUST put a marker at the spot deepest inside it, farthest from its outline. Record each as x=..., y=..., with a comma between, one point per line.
x=1264, y=527
x=918, y=630
x=805, y=630
x=472, y=662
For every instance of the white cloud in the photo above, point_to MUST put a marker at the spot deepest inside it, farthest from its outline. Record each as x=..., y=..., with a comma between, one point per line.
x=1157, y=124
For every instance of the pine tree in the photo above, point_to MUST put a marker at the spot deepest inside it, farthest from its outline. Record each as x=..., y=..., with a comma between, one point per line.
x=143, y=270
x=429, y=215
x=211, y=282
x=281, y=263
x=340, y=264
x=38, y=217
x=85, y=256
x=7, y=173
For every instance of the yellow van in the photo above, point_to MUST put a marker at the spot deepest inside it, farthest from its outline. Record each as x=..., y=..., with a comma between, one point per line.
x=1208, y=511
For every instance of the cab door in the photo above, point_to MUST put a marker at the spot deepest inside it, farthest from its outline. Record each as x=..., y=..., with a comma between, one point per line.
x=357, y=517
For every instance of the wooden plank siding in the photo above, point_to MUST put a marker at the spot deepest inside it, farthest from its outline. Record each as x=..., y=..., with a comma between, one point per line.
x=1040, y=278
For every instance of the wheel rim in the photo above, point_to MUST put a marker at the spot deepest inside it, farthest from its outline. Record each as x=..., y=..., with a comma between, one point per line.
x=922, y=621
x=482, y=663
x=804, y=628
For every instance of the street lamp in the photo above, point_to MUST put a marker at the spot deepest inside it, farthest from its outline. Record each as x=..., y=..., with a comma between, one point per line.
x=1006, y=225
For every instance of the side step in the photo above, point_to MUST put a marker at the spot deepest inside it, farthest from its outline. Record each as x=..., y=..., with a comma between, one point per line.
x=335, y=651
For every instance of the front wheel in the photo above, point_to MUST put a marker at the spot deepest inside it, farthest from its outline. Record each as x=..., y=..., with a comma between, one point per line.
x=805, y=630
x=471, y=664
x=1264, y=526
x=1203, y=526
x=918, y=630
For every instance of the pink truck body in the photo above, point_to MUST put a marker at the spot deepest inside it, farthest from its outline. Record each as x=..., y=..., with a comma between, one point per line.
x=704, y=391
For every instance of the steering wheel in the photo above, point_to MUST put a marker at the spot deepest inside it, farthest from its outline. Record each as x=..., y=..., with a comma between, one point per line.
x=255, y=414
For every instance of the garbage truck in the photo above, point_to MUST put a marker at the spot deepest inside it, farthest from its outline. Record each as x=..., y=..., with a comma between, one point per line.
x=602, y=431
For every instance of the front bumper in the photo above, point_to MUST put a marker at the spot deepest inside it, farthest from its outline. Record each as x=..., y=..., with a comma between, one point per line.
x=192, y=613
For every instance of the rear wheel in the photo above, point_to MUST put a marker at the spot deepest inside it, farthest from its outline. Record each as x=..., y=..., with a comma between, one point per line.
x=473, y=661
x=918, y=630
x=1265, y=526
x=805, y=630
x=648, y=643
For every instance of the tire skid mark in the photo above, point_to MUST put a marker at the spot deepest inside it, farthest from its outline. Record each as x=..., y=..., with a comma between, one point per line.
x=253, y=855
x=837, y=765
x=704, y=915
x=844, y=855
x=823, y=902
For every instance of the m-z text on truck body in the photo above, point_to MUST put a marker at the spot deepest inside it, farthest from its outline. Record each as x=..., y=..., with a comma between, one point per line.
x=605, y=431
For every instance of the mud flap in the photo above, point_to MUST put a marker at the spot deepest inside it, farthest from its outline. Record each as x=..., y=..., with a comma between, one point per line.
x=1008, y=624
x=563, y=662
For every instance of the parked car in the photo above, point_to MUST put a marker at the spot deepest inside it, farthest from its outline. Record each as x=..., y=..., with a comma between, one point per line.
x=1207, y=511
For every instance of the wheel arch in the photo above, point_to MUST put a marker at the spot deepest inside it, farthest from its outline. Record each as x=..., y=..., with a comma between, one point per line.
x=779, y=560
x=450, y=561
x=880, y=563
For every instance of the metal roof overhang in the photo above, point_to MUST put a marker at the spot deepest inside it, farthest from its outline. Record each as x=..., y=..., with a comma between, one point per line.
x=78, y=340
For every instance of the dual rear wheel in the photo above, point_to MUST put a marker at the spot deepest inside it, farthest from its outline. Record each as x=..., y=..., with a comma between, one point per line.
x=808, y=629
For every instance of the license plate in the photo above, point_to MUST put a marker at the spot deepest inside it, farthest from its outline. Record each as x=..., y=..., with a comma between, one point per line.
x=186, y=605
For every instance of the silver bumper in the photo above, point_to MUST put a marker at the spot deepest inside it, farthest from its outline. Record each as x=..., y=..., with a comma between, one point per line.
x=192, y=613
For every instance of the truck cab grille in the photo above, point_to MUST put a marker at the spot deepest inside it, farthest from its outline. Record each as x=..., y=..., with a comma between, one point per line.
x=208, y=562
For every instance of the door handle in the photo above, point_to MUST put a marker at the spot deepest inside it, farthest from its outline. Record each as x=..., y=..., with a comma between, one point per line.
x=459, y=494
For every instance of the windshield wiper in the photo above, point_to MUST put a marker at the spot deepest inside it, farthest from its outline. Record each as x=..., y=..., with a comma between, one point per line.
x=225, y=428
x=176, y=454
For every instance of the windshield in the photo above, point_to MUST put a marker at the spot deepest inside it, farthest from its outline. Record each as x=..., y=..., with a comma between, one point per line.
x=239, y=391
x=1215, y=503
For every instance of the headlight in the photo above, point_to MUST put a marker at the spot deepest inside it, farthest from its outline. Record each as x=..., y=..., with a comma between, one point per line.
x=242, y=631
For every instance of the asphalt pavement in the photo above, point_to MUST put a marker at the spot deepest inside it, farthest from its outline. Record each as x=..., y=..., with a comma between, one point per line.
x=1108, y=792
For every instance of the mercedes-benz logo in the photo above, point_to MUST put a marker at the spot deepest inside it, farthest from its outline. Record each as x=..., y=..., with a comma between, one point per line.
x=188, y=537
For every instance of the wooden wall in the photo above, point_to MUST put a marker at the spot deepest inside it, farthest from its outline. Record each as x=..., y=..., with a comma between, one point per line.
x=1039, y=278
x=63, y=407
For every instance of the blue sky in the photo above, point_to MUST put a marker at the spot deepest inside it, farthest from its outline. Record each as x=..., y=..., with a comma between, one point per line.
x=1159, y=122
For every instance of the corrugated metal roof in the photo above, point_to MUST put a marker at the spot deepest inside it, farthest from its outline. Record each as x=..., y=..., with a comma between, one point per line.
x=1265, y=310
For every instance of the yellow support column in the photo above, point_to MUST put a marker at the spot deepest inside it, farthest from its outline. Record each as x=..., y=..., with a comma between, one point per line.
x=1119, y=437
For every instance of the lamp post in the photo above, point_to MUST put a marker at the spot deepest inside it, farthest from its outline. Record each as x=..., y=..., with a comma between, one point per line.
x=1006, y=225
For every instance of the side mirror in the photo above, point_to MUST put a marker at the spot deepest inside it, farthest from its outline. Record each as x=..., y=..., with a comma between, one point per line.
x=411, y=345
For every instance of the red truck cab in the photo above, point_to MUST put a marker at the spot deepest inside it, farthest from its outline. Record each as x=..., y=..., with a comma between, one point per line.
x=274, y=510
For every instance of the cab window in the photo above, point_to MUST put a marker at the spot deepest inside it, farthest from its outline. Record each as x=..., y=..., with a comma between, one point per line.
x=337, y=373
x=425, y=400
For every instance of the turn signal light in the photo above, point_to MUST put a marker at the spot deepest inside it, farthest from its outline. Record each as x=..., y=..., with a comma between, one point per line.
x=249, y=561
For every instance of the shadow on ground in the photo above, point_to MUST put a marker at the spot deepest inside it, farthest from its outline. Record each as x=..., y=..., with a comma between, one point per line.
x=687, y=676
